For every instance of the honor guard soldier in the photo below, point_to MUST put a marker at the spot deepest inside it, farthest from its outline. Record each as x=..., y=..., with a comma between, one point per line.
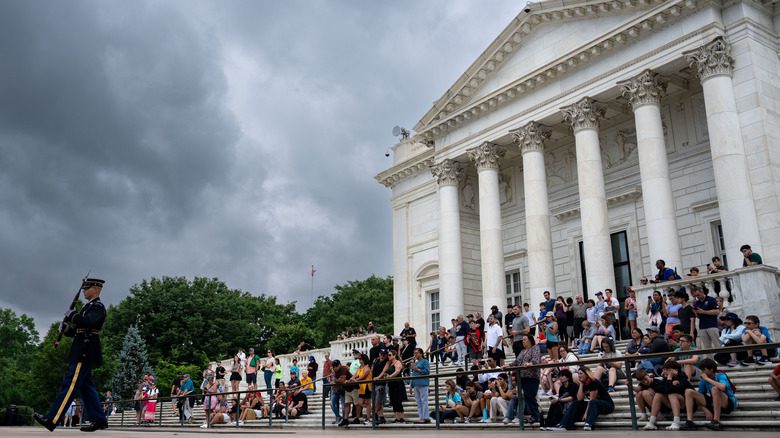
x=84, y=326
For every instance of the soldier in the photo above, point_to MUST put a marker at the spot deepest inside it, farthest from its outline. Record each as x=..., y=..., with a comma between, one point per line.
x=85, y=354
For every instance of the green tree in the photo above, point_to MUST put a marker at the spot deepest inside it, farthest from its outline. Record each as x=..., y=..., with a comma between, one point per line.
x=19, y=338
x=133, y=364
x=353, y=304
x=193, y=322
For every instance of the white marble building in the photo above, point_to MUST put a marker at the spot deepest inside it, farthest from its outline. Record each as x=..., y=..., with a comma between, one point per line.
x=588, y=140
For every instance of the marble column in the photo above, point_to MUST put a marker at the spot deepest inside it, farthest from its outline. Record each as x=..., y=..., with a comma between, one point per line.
x=448, y=174
x=584, y=118
x=486, y=157
x=644, y=93
x=714, y=65
x=541, y=274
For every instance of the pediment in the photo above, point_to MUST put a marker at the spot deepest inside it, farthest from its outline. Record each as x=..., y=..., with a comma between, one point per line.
x=545, y=43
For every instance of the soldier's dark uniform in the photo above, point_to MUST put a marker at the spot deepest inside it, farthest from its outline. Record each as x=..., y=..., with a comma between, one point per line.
x=85, y=354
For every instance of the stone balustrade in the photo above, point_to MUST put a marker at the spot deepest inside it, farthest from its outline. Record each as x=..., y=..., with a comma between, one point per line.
x=755, y=290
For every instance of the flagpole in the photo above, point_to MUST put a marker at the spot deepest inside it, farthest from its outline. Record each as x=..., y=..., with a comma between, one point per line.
x=312, y=284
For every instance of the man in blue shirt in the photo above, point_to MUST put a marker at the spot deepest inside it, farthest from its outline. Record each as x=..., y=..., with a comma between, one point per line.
x=706, y=309
x=421, y=367
x=186, y=390
x=549, y=303
x=664, y=273
x=715, y=396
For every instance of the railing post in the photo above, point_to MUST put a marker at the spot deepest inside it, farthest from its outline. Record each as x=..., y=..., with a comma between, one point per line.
x=180, y=409
x=631, y=405
x=270, y=411
x=436, y=399
x=323, y=404
x=521, y=401
x=208, y=412
x=373, y=406
x=122, y=419
x=161, y=402
x=238, y=408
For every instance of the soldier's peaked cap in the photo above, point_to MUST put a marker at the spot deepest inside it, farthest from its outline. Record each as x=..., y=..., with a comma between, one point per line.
x=90, y=282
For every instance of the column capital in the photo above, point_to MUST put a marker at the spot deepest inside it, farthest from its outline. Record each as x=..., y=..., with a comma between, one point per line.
x=711, y=59
x=584, y=114
x=486, y=155
x=531, y=137
x=646, y=88
x=447, y=173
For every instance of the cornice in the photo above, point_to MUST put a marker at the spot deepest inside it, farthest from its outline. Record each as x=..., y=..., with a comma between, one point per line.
x=572, y=210
x=406, y=169
x=453, y=109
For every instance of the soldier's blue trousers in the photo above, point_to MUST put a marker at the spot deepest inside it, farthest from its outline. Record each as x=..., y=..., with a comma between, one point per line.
x=78, y=382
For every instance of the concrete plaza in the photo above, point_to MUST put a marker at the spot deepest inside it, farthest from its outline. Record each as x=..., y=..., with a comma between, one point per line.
x=36, y=432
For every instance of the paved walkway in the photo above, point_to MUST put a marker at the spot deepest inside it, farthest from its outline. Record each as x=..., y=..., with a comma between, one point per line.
x=36, y=432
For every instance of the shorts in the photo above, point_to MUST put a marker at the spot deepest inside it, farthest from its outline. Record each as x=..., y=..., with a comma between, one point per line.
x=551, y=344
x=251, y=378
x=352, y=397
x=498, y=355
x=724, y=409
x=226, y=418
x=235, y=377
x=473, y=354
x=365, y=397
x=632, y=315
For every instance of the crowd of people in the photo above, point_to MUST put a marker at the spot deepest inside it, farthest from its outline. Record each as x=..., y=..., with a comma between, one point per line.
x=492, y=388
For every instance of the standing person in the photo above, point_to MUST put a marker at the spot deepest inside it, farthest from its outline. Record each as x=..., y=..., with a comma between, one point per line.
x=560, y=316
x=551, y=330
x=278, y=373
x=529, y=314
x=395, y=389
x=519, y=328
x=569, y=319
x=509, y=317
x=706, y=309
x=462, y=329
x=410, y=334
x=529, y=378
x=312, y=368
x=186, y=390
x=235, y=373
x=251, y=369
x=379, y=367
x=685, y=313
x=495, y=313
x=474, y=343
x=108, y=404
x=69, y=414
x=656, y=309
x=338, y=394
x=631, y=310
x=85, y=354
x=327, y=373
x=494, y=341
x=421, y=367
x=268, y=371
x=672, y=314
x=151, y=402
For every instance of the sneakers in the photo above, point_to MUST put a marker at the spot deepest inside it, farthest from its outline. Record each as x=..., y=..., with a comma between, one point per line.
x=748, y=362
x=642, y=417
x=587, y=426
x=610, y=389
x=557, y=428
x=506, y=420
x=673, y=426
x=761, y=360
x=650, y=426
x=484, y=420
x=689, y=425
x=732, y=363
x=458, y=420
x=468, y=420
x=713, y=425
x=204, y=426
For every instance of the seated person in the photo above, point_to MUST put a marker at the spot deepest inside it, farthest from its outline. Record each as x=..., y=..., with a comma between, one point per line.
x=307, y=385
x=689, y=362
x=254, y=403
x=567, y=393
x=604, y=329
x=644, y=392
x=299, y=405
x=453, y=405
x=502, y=395
x=754, y=334
x=714, y=396
x=593, y=400
x=730, y=336
x=657, y=344
x=583, y=343
x=612, y=370
x=635, y=343
x=472, y=399
x=774, y=380
x=669, y=391
x=294, y=381
x=221, y=414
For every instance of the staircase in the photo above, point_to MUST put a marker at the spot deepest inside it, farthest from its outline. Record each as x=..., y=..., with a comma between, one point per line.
x=757, y=408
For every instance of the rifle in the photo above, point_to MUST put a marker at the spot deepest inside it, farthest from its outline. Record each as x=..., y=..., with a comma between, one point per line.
x=65, y=323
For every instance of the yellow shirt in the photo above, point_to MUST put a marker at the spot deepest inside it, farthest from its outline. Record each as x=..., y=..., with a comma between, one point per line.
x=306, y=383
x=364, y=373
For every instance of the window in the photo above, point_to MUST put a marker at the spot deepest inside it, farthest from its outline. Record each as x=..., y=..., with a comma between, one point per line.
x=434, y=310
x=719, y=243
x=513, y=291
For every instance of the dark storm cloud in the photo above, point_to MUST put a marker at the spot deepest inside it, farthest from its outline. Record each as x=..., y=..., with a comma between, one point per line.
x=230, y=139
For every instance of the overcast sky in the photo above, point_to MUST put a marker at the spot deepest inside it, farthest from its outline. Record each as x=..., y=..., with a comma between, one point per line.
x=229, y=139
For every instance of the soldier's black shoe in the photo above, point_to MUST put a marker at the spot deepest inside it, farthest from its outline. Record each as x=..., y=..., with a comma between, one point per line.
x=93, y=427
x=43, y=421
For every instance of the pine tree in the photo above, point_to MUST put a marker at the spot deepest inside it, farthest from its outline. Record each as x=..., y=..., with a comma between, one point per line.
x=133, y=364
